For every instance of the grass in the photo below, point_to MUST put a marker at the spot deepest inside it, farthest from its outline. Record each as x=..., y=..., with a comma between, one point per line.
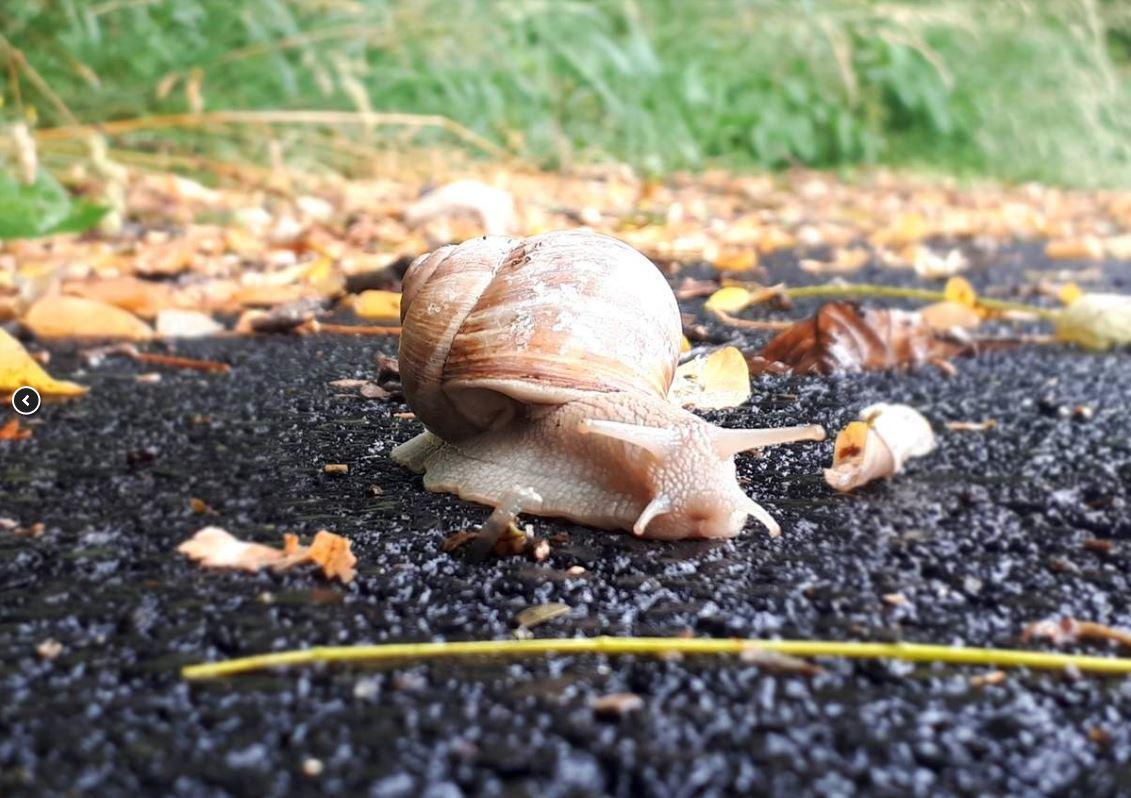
x=1015, y=89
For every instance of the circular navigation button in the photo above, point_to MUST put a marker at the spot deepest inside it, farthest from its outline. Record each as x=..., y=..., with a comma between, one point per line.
x=26, y=400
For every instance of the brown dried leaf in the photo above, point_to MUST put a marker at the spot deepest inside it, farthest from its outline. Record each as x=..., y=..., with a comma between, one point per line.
x=843, y=337
x=1067, y=631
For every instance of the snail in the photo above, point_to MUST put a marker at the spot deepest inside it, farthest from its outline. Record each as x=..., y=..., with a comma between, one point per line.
x=540, y=368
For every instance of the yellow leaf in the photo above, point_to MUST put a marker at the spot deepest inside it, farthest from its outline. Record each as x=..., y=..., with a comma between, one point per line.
x=719, y=380
x=377, y=305
x=1096, y=321
x=1069, y=293
x=17, y=368
x=324, y=278
x=730, y=299
x=959, y=291
x=738, y=261
x=56, y=316
x=684, y=344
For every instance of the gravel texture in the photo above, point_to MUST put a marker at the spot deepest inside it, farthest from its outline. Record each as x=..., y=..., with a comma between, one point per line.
x=980, y=538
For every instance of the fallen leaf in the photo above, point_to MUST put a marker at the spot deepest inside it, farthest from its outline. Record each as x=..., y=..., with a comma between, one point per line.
x=614, y=705
x=929, y=265
x=534, y=616
x=376, y=304
x=1084, y=248
x=959, y=291
x=743, y=260
x=1096, y=321
x=493, y=206
x=716, y=381
x=842, y=337
x=1067, y=631
x=214, y=547
x=49, y=649
x=1119, y=247
x=730, y=299
x=186, y=324
x=11, y=431
x=947, y=315
x=845, y=261
x=878, y=445
x=971, y=426
x=986, y=679
x=57, y=316
x=332, y=554
x=18, y=368
x=145, y=298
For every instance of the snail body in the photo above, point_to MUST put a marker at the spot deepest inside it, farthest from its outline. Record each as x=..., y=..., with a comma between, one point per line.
x=544, y=364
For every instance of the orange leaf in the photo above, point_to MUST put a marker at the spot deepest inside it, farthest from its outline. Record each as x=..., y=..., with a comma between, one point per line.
x=1086, y=248
x=11, y=431
x=144, y=298
x=737, y=261
x=332, y=553
x=56, y=316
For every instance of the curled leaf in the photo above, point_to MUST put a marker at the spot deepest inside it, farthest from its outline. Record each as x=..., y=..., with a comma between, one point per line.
x=1096, y=321
x=493, y=206
x=17, y=368
x=214, y=547
x=840, y=336
x=878, y=445
x=718, y=380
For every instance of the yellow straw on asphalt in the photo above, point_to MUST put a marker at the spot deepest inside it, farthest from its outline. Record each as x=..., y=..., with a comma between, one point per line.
x=658, y=646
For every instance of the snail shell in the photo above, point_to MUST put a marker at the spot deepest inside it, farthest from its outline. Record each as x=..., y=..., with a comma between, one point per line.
x=496, y=324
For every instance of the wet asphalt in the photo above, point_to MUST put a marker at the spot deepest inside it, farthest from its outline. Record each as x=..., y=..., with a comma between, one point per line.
x=992, y=531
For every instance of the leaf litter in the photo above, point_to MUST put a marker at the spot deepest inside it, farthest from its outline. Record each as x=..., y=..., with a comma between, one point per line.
x=214, y=547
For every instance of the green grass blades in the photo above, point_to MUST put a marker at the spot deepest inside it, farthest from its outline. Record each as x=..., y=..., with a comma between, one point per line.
x=1033, y=89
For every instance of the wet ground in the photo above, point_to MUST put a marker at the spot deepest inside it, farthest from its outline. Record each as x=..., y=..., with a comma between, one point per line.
x=980, y=538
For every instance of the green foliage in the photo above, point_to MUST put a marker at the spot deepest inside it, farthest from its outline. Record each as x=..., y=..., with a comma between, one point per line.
x=42, y=208
x=1013, y=88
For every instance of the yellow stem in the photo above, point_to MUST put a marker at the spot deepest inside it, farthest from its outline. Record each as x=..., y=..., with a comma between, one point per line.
x=866, y=289
x=206, y=119
x=657, y=646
